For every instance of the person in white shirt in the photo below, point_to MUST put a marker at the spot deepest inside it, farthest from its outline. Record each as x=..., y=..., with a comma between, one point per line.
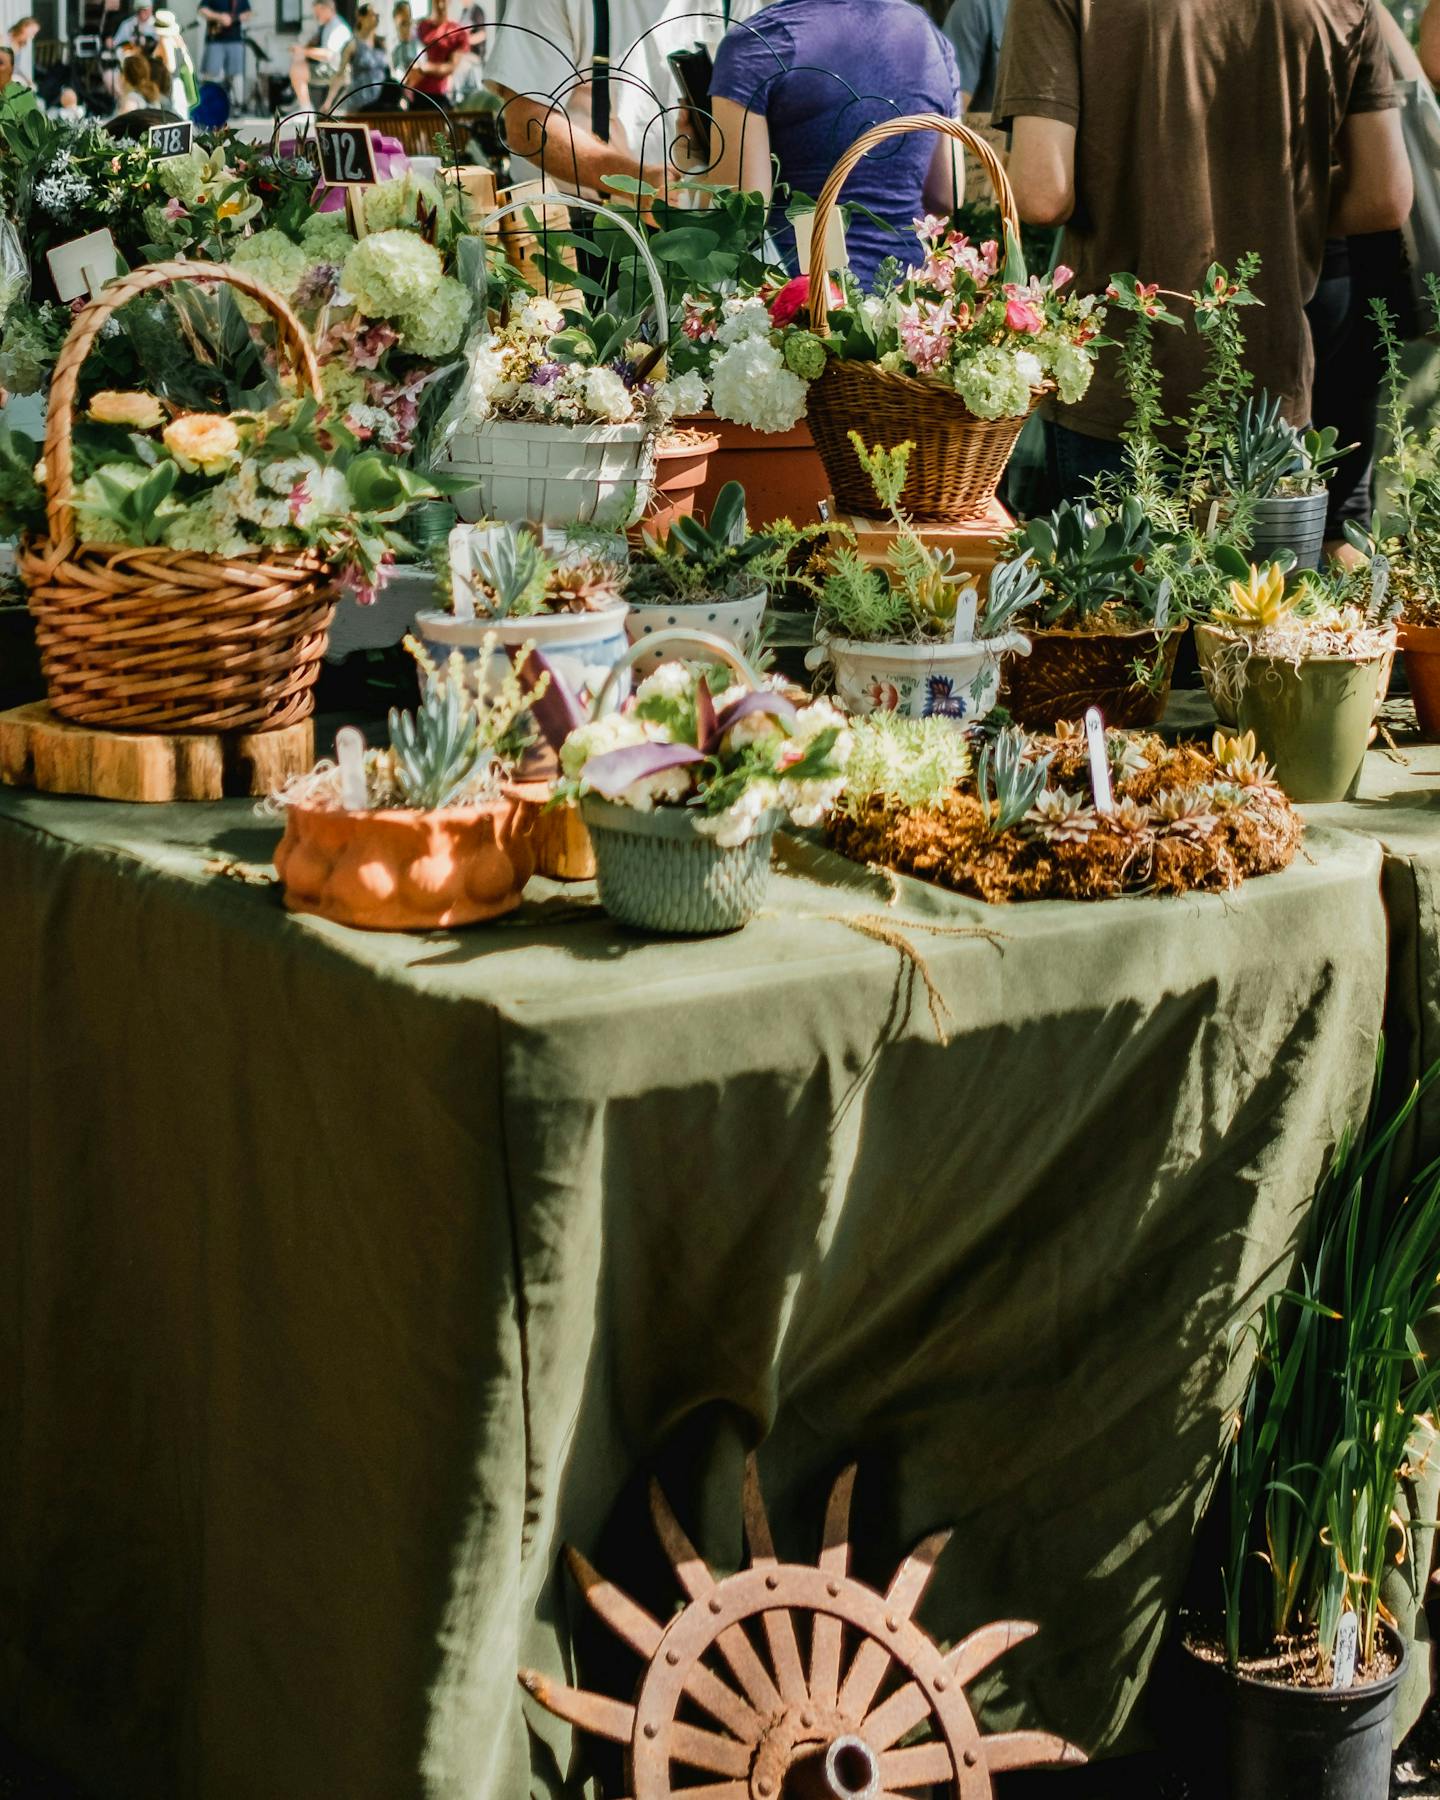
x=134, y=30
x=22, y=42
x=570, y=139
x=319, y=57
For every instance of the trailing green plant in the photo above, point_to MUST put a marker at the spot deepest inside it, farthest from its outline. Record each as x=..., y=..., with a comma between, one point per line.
x=1009, y=779
x=1227, y=380
x=1094, y=561
x=1339, y=1392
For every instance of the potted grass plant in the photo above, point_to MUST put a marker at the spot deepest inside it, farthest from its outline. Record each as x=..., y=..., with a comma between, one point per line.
x=1104, y=630
x=1304, y=671
x=506, y=590
x=426, y=833
x=682, y=791
x=1291, y=1675
x=909, y=636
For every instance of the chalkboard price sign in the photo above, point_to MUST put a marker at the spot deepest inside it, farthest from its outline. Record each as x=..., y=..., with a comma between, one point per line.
x=171, y=140
x=347, y=155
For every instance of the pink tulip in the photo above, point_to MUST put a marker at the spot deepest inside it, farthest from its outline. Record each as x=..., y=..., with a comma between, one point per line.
x=1023, y=315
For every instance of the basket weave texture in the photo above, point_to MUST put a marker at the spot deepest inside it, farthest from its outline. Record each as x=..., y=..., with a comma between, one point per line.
x=958, y=459
x=155, y=639
x=658, y=872
x=1067, y=672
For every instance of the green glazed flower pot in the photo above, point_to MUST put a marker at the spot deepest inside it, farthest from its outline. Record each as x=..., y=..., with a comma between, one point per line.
x=658, y=872
x=1312, y=720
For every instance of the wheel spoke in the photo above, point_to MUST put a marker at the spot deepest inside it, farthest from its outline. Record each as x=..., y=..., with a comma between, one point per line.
x=779, y=1627
x=705, y=1750
x=694, y=1576
x=908, y=1705
x=872, y=1659
x=625, y=1617
x=591, y=1712
x=828, y=1634
x=918, y=1766
x=1027, y=1750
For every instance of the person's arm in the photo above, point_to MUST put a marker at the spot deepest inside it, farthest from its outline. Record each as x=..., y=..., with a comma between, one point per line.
x=1430, y=41
x=572, y=156
x=1373, y=190
x=941, y=192
x=1042, y=169
x=967, y=27
x=741, y=148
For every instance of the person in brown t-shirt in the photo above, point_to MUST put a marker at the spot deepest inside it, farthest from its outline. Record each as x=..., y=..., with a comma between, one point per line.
x=1169, y=134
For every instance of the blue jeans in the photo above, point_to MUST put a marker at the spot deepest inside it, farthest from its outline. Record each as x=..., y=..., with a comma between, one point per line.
x=1075, y=460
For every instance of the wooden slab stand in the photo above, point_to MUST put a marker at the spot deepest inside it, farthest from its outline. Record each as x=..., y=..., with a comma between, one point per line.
x=40, y=750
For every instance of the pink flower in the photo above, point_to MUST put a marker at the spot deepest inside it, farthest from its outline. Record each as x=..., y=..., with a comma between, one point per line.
x=1061, y=276
x=1021, y=313
x=794, y=297
x=299, y=498
x=174, y=210
x=927, y=334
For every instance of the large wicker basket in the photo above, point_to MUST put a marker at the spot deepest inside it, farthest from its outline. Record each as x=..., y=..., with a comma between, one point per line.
x=157, y=639
x=958, y=459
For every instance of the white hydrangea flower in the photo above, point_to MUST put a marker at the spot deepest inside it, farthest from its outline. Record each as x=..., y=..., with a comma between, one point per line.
x=1029, y=365
x=1072, y=368
x=743, y=319
x=671, y=681
x=681, y=396
x=751, y=386
x=992, y=383
x=542, y=316
x=437, y=325
x=487, y=378
x=740, y=822
x=607, y=397
x=668, y=788
x=616, y=731
x=327, y=496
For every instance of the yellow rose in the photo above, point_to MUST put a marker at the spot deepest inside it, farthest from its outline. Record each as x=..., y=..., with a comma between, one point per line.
x=203, y=442
x=142, y=412
x=41, y=473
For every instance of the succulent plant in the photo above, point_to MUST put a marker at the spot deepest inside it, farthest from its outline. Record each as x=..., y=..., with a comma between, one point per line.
x=1242, y=764
x=1009, y=781
x=1128, y=818
x=437, y=749
x=1259, y=602
x=1089, y=556
x=1264, y=451
x=703, y=557
x=1014, y=586
x=582, y=584
x=1062, y=817
x=513, y=570
x=1185, y=812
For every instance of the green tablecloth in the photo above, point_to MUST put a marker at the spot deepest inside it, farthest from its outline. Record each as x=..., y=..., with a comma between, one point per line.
x=343, y=1277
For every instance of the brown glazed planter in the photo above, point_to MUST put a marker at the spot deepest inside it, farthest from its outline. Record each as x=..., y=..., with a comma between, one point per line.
x=1067, y=672
x=780, y=471
x=1421, y=644
x=394, y=870
x=681, y=463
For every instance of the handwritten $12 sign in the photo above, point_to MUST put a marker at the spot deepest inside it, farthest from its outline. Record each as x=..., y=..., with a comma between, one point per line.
x=347, y=155
x=171, y=140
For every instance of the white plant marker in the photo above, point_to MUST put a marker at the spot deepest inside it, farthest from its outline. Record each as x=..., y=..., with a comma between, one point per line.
x=462, y=572
x=350, y=755
x=1347, y=1649
x=965, y=609
x=1099, y=761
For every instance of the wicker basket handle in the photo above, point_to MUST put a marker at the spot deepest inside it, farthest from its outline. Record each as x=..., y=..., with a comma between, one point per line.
x=594, y=207
x=720, y=648
x=59, y=459
x=840, y=174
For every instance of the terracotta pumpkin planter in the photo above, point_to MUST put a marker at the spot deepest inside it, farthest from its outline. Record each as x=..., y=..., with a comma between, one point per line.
x=682, y=463
x=1067, y=672
x=395, y=870
x=780, y=471
x=1421, y=644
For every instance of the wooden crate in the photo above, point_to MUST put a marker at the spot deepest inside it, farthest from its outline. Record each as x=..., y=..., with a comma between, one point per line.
x=976, y=544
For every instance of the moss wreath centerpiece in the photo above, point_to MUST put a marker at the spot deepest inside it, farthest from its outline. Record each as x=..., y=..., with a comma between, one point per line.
x=1016, y=821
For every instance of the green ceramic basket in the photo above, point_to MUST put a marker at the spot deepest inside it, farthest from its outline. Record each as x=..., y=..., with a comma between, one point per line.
x=1312, y=721
x=657, y=870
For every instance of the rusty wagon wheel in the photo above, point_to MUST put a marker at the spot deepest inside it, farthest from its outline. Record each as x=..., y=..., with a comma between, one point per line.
x=891, y=1719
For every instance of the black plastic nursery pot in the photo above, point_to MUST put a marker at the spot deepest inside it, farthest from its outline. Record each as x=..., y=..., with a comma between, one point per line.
x=1258, y=1740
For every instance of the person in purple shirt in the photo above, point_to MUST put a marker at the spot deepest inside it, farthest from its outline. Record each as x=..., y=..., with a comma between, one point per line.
x=802, y=79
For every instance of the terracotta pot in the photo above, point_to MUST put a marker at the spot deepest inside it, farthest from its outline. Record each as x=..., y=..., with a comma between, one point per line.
x=1421, y=644
x=681, y=466
x=780, y=471
x=394, y=870
x=1067, y=672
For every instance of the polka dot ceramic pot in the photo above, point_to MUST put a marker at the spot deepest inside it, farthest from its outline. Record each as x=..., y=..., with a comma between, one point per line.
x=739, y=622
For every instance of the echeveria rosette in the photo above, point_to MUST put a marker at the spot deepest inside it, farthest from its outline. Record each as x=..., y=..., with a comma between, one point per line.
x=733, y=758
